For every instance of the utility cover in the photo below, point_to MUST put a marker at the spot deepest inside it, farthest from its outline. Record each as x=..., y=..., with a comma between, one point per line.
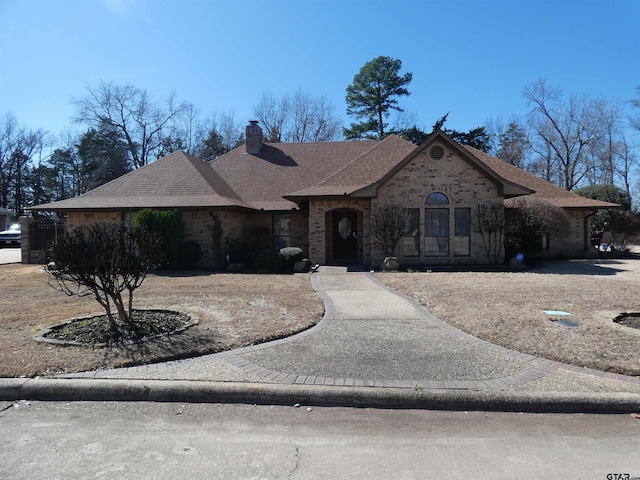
x=566, y=323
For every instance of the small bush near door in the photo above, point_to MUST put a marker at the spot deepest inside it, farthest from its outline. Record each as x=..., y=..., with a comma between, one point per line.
x=169, y=227
x=290, y=256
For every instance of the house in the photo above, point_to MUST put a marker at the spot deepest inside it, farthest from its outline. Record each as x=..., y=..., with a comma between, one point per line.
x=320, y=197
x=5, y=218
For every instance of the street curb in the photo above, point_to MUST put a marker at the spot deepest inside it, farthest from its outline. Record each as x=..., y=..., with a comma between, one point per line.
x=13, y=389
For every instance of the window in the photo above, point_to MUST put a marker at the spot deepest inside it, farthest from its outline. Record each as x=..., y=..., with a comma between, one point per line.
x=128, y=216
x=411, y=238
x=462, y=237
x=436, y=225
x=436, y=228
x=281, y=230
x=543, y=240
x=437, y=198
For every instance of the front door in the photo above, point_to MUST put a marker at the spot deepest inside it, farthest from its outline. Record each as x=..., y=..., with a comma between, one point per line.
x=345, y=236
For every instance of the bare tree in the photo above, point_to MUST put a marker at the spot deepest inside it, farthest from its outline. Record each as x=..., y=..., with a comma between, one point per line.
x=220, y=133
x=184, y=132
x=312, y=119
x=132, y=111
x=18, y=147
x=299, y=118
x=79, y=170
x=273, y=113
x=634, y=119
x=389, y=223
x=607, y=150
x=231, y=130
x=628, y=160
x=8, y=141
x=566, y=131
x=490, y=224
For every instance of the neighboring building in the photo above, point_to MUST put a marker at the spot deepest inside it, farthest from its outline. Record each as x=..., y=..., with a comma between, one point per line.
x=5, y=218
x=320, y=197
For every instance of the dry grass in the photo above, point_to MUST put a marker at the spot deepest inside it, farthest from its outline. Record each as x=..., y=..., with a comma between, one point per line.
x=234, y=310
x=508, y=308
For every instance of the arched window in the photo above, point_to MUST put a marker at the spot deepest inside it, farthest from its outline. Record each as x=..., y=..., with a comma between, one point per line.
x=437, y=198
x=436, y=225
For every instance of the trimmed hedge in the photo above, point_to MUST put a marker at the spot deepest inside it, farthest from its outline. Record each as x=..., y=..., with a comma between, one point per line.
x=290, y=256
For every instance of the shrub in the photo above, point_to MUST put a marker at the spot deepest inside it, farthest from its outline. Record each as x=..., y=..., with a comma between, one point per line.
x=169, y=228
x=290, y=256
x=268, y=262
x=527, y=219
x=620, y=221
x=246, y=248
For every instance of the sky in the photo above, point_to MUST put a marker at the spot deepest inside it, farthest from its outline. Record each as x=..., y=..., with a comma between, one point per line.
x=469, y=58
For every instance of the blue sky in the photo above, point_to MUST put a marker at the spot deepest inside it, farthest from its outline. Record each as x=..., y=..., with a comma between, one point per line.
x=469, y=58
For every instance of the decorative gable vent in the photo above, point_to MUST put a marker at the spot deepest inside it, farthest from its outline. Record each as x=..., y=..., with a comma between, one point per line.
x=436, y=152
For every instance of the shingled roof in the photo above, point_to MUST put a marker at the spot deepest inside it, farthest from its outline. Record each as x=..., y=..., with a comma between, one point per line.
x=175, y=181
x=541, y=188
x=262, y=180
x=283, y=173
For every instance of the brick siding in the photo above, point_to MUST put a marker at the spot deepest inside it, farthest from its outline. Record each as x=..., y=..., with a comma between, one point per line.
x=464, y=186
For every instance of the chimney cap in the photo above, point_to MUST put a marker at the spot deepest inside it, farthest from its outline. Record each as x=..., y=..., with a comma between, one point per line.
x=253, y=122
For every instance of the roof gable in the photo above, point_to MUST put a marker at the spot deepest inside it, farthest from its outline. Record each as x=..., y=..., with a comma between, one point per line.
x=366, y=170
x=506, y=186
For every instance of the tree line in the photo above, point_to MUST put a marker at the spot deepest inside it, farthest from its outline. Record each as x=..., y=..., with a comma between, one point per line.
x=572, y=142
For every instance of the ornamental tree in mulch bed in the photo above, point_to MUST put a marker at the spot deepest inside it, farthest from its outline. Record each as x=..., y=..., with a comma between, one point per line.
x=109, y=261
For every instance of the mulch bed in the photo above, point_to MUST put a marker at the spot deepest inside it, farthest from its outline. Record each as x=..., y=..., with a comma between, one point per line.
x=631, y=320
x=97, y=330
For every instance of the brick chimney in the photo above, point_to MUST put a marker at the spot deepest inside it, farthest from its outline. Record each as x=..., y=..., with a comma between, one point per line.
x=254, y=137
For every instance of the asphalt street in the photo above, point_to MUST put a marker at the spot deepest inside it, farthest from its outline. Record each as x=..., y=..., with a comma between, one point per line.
x=143, y=440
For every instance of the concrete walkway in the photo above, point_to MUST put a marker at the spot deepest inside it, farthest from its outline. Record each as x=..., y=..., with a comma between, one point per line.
x=374, y=347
